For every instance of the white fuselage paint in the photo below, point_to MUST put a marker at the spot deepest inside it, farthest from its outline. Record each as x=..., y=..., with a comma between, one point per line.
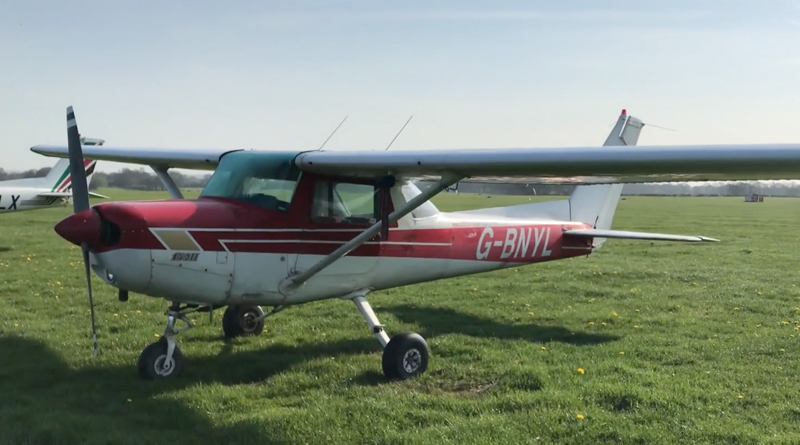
x=17, y=199
x=226, y=278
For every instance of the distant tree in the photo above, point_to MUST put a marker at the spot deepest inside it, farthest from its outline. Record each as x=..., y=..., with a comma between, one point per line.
x=99, y=180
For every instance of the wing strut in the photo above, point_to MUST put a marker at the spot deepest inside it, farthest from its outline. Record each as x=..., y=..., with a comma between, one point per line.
x=291, y=283
x=167, y=182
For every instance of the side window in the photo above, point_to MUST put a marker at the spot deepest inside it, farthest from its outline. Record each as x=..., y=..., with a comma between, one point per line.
x=341, y=202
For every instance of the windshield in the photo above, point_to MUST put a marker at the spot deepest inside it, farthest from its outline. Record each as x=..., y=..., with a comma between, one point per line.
x=264, y=179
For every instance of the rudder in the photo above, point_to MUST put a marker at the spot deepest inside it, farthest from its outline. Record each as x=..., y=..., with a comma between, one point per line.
x=596, y=204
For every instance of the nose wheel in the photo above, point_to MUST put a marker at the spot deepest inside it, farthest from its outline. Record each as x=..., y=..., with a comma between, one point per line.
x=156, y=363
x=163, y=359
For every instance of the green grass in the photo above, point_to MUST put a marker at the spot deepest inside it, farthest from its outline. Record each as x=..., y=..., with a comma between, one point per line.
x=709, y=335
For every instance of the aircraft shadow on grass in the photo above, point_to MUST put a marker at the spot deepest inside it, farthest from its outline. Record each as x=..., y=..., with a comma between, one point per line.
x=441, y=321
x=45, y=401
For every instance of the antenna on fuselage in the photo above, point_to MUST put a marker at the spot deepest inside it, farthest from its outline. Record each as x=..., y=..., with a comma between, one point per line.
x=334, y=132
x=398, y=133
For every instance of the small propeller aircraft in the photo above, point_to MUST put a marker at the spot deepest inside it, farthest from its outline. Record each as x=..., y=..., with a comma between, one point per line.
x=278, y=229
x=55, y=188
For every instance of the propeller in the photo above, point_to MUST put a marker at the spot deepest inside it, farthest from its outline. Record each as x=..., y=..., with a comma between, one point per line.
x=80, y=201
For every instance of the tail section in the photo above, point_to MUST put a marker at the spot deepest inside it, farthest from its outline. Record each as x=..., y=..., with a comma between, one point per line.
x=596, y=204
x=590, y=204
x=58, y=179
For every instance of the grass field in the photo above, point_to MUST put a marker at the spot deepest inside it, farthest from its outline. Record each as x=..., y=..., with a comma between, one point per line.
x=680, y=343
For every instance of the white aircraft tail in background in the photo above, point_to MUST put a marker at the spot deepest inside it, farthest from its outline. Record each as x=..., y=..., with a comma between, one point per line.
x=53, y=189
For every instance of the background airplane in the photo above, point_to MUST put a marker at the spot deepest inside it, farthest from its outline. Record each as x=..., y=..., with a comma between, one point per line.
x=53, y=189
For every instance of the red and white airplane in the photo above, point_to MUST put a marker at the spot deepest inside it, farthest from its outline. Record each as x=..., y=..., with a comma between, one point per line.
x=279, y=229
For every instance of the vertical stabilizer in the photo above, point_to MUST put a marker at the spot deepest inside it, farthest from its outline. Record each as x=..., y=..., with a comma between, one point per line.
x=58, y=178
x=596, y=204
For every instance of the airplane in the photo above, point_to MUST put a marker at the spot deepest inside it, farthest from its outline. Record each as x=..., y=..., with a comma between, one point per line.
x=284, y=228
x=55, y=188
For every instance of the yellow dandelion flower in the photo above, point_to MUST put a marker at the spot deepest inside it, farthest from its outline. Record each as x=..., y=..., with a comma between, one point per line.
x=782, y=350
x=613, y=314
x=581, y=371
x=591, y=323
x=544, y=349
x=116, y=315
x=740, y=397
x=621, y=352
x=603, y=324
x=580, y=417
x=29, y=258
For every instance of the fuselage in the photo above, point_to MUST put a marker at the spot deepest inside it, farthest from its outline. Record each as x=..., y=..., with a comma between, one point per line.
x=232, y=246
x=17, y=199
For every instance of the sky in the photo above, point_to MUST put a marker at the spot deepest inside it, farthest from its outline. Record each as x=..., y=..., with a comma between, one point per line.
x=282, y=74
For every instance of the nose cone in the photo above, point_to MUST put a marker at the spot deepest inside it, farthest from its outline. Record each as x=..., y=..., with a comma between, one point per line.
x=83, y=227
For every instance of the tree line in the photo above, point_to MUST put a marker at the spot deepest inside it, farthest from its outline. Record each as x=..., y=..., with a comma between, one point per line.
x=127, y=178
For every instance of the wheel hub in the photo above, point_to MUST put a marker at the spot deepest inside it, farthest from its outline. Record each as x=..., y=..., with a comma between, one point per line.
x=247, y=321
x=411, y=360
x=164, y=367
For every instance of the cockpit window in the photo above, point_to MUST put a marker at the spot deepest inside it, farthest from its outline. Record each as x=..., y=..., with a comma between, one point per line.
x=265, y=179
x=341, y=202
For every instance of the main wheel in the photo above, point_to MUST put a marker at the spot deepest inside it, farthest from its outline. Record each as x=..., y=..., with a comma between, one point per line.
x=239, y=321
x=151, y=362
x=405, y=356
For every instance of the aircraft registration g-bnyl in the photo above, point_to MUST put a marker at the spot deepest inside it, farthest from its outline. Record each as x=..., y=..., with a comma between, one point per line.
x=53, y=189
x=284, y=228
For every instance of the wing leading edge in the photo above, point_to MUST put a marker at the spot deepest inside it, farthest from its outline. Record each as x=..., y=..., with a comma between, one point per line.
x=191, y=159
x=573, y=165
x=553, y=165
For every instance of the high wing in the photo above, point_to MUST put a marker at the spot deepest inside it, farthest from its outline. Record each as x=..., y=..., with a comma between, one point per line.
x=550, y=165
x=68, y=195
x=191, y=159
x=573, y=165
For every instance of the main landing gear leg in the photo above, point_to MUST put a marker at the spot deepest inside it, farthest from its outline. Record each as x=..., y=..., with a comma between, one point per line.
x=163, y=359
x=405, y=355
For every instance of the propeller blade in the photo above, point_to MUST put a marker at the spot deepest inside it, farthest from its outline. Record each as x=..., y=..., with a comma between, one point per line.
x=80, y=189
x=85, y=250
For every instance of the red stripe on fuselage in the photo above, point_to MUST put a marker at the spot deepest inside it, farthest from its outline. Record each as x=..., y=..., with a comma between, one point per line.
x=217, y=226
x=515, y=244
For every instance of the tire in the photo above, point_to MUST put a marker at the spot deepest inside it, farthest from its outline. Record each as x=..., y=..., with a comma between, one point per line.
x=236, y=321
x=405, y=356
x=152, y=358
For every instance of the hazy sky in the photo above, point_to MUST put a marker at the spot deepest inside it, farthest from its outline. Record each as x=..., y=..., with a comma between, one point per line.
x=283, y=74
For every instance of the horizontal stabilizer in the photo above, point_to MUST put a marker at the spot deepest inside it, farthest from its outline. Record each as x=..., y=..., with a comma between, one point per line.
x=69, y=195
x=621, y=234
